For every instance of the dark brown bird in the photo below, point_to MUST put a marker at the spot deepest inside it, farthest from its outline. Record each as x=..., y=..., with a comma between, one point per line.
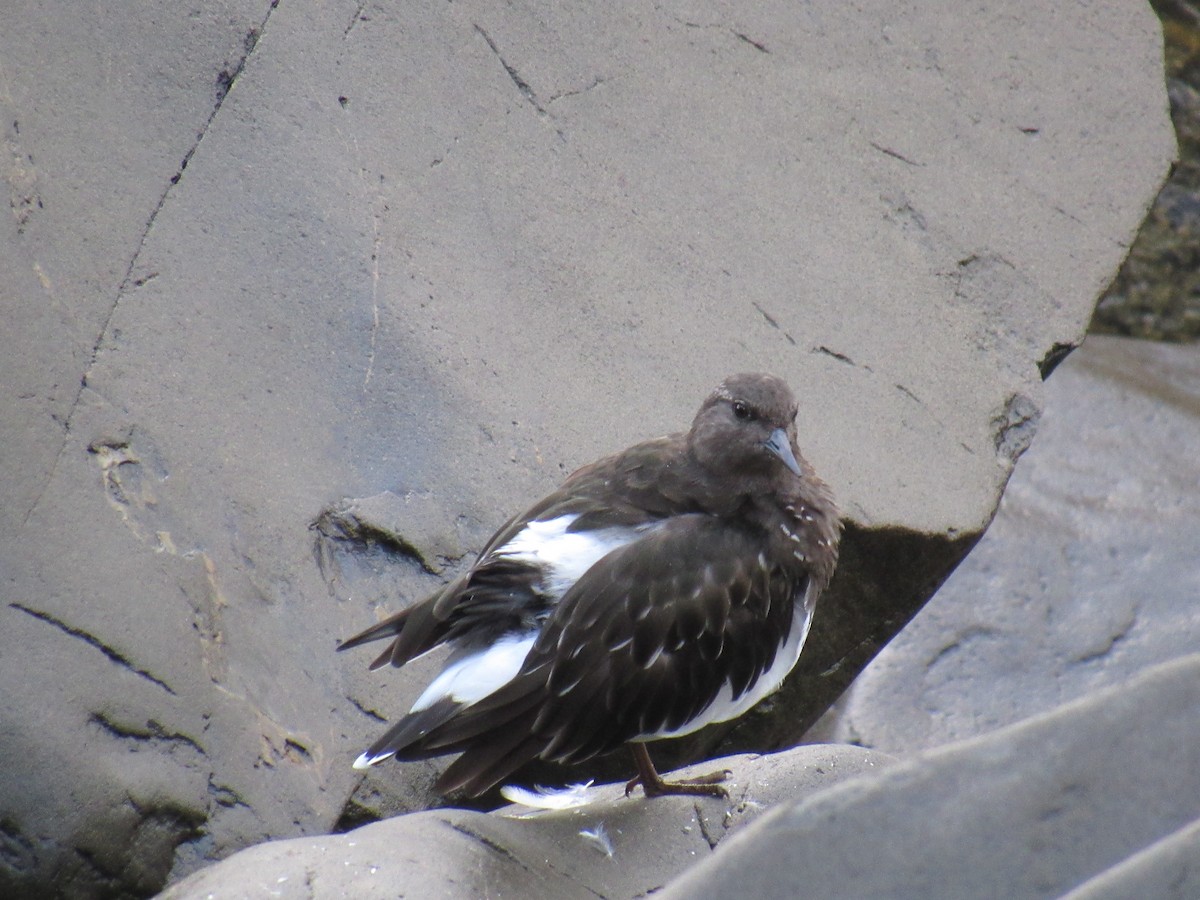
x=657, y=591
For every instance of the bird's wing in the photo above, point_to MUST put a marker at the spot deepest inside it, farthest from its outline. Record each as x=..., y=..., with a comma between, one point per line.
x=506, y=592
x=644, y=642
x=499, y=595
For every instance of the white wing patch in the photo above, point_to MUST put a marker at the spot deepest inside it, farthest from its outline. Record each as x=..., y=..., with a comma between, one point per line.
x=476, y=675
x=468, y=679
x=565, y=555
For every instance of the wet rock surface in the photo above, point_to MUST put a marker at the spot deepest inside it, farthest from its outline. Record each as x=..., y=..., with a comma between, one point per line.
x=266, y=257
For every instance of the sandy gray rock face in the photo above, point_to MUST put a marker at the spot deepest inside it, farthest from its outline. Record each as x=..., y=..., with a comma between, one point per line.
x=616, y=846
x=1168, y=868
x=265, y=257
x=1087, y=576
x=1032, y=810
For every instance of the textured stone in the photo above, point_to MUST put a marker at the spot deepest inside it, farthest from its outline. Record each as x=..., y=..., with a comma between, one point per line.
x=617, y=846
x=1087, y=575
x=1169, y=869
x=1032, y=810
x=265, y=257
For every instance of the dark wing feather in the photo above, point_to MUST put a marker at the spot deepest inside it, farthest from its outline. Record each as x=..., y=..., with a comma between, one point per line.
x=413, y=727
x=495, y=598
x=680, y=632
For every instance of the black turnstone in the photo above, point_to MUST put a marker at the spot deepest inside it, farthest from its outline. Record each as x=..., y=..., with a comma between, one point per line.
x=657, y=591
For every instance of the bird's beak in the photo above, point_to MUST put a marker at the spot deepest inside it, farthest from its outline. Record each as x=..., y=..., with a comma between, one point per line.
x=779, y=444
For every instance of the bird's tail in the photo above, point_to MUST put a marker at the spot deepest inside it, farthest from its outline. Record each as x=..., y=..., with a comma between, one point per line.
x=415, y=630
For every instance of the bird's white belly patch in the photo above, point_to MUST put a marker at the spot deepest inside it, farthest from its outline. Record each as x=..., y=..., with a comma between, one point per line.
x=475, y=676
x=565, y=555
x=724, y=707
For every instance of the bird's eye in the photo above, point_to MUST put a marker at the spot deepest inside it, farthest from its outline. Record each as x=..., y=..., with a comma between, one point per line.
x=742, y=411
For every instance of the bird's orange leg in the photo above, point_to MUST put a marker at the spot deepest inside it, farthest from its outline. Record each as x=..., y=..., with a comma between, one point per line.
x=653, y=785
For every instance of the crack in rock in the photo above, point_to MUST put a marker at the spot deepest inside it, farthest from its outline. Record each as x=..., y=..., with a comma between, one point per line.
x=93, y=641
x=17, y=851
x=490, y=844
x=386, y=521
x=770, y=320
x=895, y=154
x=757, y=45
x=562, y=95
x=226, y=79
x=366, y=711
x=358, y=17
x=709, y=838
x=522, y=85
x=223, y=795
x=1056, y=354
x=152, y=732
x=840, y=357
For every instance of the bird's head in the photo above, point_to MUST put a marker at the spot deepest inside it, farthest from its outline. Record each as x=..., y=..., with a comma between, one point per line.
x=747, y=428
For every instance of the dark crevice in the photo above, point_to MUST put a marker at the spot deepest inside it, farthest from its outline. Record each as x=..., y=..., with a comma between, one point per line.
x=152, y=732
x=884, y=577
x=296, y=751
x=522, y=85
x=344, y=526
x=355, y=815
x=225, y=796
x=770, y=320
x=492, y=845
x=757, y=45
x=840, y=357
x=1053, y=357
x=358, y=17
x=888, y=151
x=370, y=713
x=93, y=641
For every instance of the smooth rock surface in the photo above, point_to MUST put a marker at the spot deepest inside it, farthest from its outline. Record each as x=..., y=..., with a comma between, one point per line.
x=1087, y=576
x=616, y=846
x=267, y=256
x=1032, y=810
x=1169, y=869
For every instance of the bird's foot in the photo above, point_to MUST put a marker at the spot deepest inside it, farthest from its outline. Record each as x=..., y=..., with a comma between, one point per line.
x=701, y=786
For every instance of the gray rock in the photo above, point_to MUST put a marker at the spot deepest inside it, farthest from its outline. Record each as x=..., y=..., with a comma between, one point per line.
x=1032, y=810
x=270, y=256
x=1087, y=575
x=616, y=846
x=1168, y=869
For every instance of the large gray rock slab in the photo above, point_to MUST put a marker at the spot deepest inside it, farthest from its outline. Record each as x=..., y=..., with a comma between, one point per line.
x=265, y=257
x=1169, y=869
x=1032, y=810
x=616, y=846
x=1087, y=575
